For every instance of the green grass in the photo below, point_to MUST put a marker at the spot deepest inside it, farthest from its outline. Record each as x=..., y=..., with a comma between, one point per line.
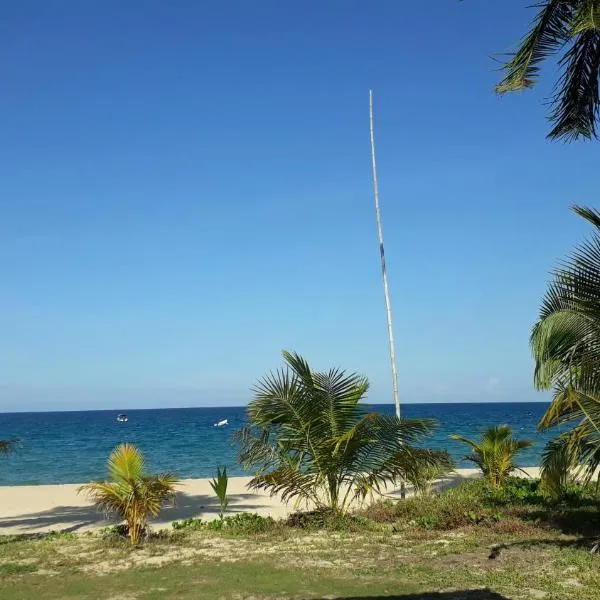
x=416, y=550
x=288, y=564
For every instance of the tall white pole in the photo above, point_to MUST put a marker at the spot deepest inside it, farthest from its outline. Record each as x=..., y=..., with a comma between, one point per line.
x=386, y=292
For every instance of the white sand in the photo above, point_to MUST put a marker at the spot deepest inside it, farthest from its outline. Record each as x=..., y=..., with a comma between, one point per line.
x=40, y=508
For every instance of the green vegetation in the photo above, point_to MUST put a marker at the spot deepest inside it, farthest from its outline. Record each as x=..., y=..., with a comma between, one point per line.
x=240, y=523
x=495, y=453
x=566, y=346
x=219, y=486
x=313, y=440
x=570, y=29
x=468, y=543
x=518, y=506
x=130, y=493
x=422, y=477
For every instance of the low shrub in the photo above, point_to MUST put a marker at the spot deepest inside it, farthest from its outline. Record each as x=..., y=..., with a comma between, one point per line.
x=239, y=523
x=115, y=531
x=189, y=524
x=329, y=520
x=476, y=503
x=248, y=523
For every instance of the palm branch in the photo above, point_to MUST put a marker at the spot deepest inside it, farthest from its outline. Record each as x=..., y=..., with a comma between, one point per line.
x=566, y=347
x=571, y=30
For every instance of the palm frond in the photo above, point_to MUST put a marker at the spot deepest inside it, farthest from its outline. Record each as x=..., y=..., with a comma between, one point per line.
x=592, y=215
x=549, y=31
x=576, y=103
x=571, y=30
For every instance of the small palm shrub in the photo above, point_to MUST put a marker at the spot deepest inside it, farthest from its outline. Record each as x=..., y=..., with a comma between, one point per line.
x=130, y=492
x=313, y=440
x=494, y=453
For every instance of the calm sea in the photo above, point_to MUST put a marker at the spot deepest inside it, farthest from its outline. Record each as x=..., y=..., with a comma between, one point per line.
x=72, y=447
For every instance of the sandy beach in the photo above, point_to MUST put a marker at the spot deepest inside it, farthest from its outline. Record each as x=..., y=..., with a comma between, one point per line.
x=43, y=508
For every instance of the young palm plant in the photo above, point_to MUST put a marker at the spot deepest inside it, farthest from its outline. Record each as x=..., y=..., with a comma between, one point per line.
x=219, y=486
x=495, y=453
x=313, y=440
x=566, y=347
x=130, y=492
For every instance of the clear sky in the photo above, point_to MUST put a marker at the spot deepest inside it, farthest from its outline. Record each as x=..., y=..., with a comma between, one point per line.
x=185, y=190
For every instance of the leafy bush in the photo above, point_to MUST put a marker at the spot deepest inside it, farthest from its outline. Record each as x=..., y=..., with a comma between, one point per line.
x=248, y=523
x=239, y=523
x=516, y=491
x=115, y=531
x=189, y=524
x=476, y=503
x=329, y=520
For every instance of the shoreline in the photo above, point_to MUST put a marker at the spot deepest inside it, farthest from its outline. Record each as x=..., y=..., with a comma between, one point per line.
x=35, y=509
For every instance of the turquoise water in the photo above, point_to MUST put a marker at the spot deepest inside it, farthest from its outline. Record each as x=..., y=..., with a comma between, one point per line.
x=72, y=447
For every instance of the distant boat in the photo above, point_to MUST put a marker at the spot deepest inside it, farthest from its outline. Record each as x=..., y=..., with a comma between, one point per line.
x=222, y=423
x=122, y=418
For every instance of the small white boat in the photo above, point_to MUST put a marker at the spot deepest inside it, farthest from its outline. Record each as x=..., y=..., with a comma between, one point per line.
x=122, y=418
x=222, y=423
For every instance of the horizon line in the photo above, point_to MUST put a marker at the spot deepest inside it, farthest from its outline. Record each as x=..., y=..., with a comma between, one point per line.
x=70, y=410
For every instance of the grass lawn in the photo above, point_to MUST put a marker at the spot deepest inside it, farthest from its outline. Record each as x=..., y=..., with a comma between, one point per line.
x=418, y=564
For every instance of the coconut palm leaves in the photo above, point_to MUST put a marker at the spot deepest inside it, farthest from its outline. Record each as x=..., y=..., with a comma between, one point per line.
x=495, y=453
x=570, y=29
x=566, y=346
x=312, y=439
x=130, y=493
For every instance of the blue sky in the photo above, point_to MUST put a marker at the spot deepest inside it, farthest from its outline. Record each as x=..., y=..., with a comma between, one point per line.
x=185, y=191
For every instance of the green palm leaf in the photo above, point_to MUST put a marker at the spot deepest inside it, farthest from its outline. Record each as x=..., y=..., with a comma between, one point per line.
x=571, y=30
x=566, y=347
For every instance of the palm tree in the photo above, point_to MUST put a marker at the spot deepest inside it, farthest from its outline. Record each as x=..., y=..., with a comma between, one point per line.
x=569, y=29
x=312, y=439
x=566, y=346
x=495, y=453
x=130, y=493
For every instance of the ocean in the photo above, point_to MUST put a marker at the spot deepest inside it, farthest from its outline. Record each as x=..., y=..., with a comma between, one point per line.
x=72, y=447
